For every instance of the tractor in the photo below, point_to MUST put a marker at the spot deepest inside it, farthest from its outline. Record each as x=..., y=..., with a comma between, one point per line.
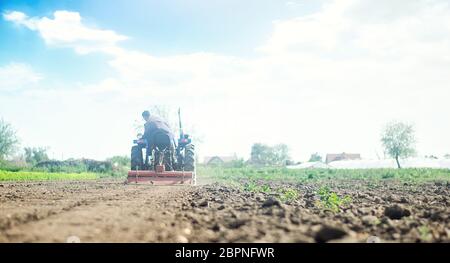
x=165, y=162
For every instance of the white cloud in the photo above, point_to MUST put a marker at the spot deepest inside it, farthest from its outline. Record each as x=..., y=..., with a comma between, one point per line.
x=66, y=29
x=18, y=18
x=385, y=29
x=293, y=4
x=15, y=76
x=323, y=82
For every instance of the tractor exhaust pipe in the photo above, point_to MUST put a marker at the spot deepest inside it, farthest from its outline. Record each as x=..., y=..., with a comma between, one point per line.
x=180, y=125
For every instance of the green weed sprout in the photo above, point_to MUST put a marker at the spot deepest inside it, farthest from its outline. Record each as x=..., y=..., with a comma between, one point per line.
x=288, y=194
x=332, y=201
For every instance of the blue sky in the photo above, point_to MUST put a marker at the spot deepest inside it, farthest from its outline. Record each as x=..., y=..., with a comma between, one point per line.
x=160, y=27
x=75, y=75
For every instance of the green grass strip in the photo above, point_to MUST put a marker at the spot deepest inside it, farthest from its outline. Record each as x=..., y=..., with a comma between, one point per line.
x=43, y=176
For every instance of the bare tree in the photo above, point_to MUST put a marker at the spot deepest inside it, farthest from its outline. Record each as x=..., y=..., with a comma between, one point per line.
x=398, y=140
x=170, y=114
x=165, y=112
x=8, y=139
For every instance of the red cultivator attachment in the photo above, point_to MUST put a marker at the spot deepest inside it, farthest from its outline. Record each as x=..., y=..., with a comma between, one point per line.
x=161, y=177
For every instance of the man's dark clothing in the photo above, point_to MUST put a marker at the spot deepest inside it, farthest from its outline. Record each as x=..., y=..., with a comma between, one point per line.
x=156, y=131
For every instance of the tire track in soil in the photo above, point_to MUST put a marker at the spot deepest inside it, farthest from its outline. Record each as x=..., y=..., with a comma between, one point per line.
x=122, y=213
x=18, y=216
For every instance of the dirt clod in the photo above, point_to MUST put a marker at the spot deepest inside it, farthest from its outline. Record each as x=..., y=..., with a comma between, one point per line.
x=396, y=212
x=203, y=204
x=271, y=202
x=327, y=233
x=369, y=220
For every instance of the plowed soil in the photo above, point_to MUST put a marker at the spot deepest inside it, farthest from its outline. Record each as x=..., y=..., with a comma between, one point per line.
x=109, y=211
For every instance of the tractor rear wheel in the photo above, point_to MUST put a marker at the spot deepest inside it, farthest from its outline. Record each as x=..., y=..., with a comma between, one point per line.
x=189, y=158
x=137, y=163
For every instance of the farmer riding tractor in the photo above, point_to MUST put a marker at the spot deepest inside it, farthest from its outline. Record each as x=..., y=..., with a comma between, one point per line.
x=164, y=161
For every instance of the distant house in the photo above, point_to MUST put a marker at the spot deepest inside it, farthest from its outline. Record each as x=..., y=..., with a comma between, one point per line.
x=332, y=157
x=218, y=160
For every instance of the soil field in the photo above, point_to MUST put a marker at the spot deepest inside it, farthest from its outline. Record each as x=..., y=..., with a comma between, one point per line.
x=108, y=211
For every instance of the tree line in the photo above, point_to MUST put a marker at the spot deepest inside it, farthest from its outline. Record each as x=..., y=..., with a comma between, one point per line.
x=38, y=158
x=397, y=139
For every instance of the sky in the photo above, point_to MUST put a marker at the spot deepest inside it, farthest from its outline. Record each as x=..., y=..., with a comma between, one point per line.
x=320, y=76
